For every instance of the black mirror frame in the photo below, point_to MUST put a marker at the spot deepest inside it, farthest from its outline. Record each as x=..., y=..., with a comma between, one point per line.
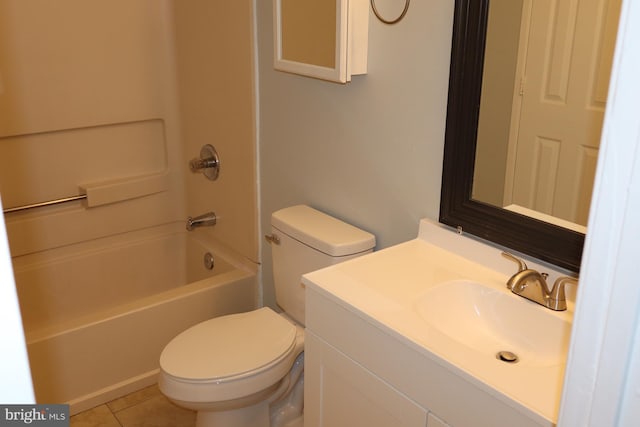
x=542, y=240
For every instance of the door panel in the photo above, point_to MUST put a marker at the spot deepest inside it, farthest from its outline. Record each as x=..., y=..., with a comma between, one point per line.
x=567, y=65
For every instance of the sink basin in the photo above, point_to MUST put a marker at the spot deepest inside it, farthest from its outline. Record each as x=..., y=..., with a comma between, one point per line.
x=487, y=320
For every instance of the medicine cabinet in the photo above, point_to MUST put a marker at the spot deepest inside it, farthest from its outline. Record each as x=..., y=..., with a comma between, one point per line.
x=325, y=39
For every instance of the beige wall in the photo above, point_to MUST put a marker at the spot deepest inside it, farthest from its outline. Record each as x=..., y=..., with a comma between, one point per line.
x=368, y=152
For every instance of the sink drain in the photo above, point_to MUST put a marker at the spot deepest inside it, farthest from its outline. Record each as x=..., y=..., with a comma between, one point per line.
x=507, y=356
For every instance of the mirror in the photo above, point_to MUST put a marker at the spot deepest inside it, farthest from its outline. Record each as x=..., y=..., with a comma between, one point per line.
x=477, y=94
x=323, y=39
x=540, y=75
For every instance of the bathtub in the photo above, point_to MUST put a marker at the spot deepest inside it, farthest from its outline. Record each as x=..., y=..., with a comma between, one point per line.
x=97, y=314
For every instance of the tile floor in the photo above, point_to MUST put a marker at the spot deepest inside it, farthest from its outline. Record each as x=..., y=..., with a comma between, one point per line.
x=143, y=408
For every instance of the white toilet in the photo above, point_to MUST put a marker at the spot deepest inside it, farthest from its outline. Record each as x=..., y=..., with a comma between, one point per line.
x=245, y=370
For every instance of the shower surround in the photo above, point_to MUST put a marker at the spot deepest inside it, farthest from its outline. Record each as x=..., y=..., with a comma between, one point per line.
x=110, y=100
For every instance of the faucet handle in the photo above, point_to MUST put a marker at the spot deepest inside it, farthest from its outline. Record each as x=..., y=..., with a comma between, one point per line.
x=521, y=264
x=208, y=163
x=557, y=297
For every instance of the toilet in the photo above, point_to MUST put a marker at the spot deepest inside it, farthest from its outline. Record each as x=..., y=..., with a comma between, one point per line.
x=246, y=369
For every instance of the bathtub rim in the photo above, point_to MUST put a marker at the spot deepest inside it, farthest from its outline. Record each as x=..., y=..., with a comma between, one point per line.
x=240, y=268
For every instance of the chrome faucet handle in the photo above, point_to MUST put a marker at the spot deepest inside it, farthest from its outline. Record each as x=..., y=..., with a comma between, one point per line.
x=522, y=266
x=197, y=164
x=557, y=296
x=208, y=163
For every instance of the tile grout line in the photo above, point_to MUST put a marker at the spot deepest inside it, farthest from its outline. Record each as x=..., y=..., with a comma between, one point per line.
x=114, y=415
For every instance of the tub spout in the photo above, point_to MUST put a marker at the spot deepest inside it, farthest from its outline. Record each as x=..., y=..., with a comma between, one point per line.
x=200, y=221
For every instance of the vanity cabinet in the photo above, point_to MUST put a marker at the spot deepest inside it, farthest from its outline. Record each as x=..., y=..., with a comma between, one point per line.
x=339, y=392
x=358, y=372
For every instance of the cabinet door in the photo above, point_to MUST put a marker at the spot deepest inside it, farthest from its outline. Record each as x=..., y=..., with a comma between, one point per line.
x=339, y=392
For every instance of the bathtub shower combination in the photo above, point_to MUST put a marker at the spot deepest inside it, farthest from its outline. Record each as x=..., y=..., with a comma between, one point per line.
x=96, y=131
x=97, y=314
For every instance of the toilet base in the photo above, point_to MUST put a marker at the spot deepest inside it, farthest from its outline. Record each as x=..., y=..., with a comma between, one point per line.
x=248, y=411
x=251, y=416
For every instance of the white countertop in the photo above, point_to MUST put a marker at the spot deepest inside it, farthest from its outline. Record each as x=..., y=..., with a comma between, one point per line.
x=384, y=287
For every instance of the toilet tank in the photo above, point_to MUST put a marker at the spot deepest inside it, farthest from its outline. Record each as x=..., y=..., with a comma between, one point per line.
x=309, y=240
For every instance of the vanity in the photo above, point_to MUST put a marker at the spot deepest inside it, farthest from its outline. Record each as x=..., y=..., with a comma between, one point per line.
x=424, y=333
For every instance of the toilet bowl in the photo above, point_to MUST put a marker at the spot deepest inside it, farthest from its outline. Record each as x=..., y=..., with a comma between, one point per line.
x=246, y=369
x=232, y=366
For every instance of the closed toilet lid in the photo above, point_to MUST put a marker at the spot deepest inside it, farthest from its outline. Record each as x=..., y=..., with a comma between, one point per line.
x=229, y=346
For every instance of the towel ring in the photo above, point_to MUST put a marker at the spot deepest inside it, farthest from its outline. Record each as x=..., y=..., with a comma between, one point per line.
x=392, y=21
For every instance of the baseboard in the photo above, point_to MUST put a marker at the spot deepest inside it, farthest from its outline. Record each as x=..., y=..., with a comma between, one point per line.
x=112, y=392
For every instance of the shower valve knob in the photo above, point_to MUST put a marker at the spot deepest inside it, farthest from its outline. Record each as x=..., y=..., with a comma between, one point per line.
x=197, y=164
x=208, y=163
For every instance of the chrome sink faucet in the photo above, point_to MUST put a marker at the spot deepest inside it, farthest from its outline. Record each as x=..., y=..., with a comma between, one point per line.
x=532, y=285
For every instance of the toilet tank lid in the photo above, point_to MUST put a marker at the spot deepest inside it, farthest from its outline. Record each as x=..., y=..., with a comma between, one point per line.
x=321, y=231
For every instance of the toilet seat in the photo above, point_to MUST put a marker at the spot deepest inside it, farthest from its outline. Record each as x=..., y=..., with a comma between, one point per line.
x=229, y=357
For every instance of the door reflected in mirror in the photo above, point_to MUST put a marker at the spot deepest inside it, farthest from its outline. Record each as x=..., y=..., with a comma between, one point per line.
x=544, y=88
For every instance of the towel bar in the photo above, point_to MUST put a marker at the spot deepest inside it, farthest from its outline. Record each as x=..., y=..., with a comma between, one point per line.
x=47, y=203
x=110, y=191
